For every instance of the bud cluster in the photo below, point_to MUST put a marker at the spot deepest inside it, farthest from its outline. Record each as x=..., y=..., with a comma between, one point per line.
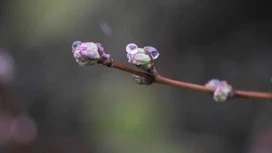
x=90, y=53
x=222, y=90
x=143, y=58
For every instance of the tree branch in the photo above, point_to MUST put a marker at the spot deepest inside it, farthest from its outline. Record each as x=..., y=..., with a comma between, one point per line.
x=90, y=53
x=191, y=86
x=128, y=69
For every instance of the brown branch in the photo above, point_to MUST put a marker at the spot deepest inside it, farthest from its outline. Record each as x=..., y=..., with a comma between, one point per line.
x=169, y=82
x=253, y=94
x=128, y=69
x=175, y=83
x=221, y=90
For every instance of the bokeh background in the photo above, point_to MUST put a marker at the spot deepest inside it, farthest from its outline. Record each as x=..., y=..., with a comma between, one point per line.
x=51, y=105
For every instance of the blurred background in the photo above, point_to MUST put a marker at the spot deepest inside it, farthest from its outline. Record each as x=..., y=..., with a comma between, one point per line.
x=48, y=104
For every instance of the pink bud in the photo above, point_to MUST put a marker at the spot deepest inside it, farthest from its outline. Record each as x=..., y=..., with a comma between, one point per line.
x=87, y=53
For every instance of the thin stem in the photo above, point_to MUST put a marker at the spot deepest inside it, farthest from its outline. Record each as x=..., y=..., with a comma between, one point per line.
x=253, y=94
x=128, y=69
x=170, y=82
x=175, y=83
x=191, y=86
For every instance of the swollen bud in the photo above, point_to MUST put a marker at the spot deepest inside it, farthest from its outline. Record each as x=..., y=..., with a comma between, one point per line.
x=222, y=93
x=142, y=57
x=86, y=53
x=222, y=90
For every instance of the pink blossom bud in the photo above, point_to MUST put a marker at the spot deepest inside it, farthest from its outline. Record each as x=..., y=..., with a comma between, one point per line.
x=142, y=57
x=222, y=93
x=222, y=90
x=86, y=53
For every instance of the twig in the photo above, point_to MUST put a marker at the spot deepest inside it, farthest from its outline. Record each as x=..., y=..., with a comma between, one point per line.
x=253, y=94
x=86, y=55
x=163, y=80
x=128, y=69
x=174, y=83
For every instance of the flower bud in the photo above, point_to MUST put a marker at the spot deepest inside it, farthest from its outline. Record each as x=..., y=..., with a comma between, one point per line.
x=141, y=59
x=141, y=56
x=86, y=53
x=222, y=90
